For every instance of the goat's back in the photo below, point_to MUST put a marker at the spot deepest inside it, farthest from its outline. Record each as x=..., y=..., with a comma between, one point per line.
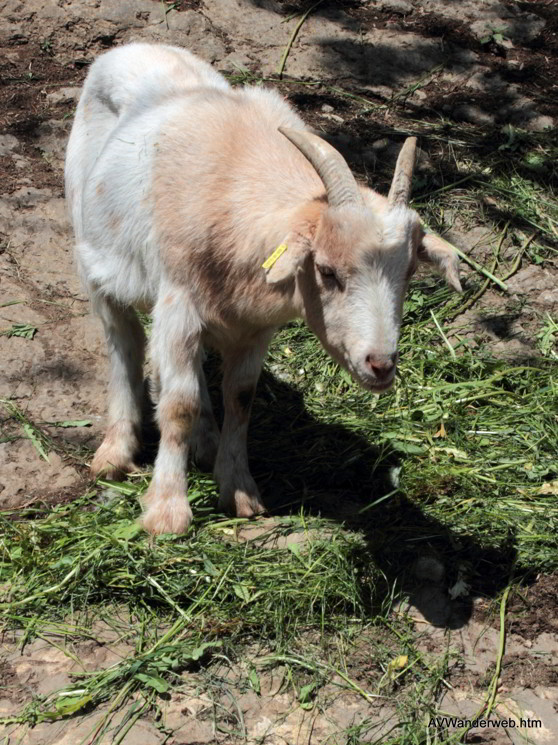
x=126, y=81
x=137, y=76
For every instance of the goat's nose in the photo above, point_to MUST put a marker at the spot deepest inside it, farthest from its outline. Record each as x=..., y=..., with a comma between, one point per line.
x=382, y=365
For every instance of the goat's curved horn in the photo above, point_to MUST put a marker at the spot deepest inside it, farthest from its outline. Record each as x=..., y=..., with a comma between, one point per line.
x=329, y=164
x=400, y=190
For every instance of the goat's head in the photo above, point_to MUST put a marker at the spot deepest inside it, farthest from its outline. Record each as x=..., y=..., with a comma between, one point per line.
x=352, y=256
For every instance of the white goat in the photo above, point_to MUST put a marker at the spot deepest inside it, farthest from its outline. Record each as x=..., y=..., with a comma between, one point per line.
x=180, y=188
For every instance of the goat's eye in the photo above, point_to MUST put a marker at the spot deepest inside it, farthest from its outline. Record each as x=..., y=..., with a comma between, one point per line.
x=328, y=275
x=325, y=271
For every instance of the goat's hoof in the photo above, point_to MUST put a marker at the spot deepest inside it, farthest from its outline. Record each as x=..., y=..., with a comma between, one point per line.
x=166, y=514
x=242, y=503
x=115, y=456
x=111, y=465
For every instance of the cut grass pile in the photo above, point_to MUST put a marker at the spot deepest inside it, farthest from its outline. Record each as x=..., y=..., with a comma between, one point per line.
x=207, y=590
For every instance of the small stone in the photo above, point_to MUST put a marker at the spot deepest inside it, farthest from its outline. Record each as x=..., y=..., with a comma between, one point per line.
x=401, y=7
x=13, y=33
x=8, y=143
x=335, y=118
x=540, y=123
x=549, y=297
x=63, y=95
x=378, y=145
x=473, y=114
x=327, y=109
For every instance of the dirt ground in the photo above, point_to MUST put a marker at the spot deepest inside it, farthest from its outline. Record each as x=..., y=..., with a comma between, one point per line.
x=373, y=50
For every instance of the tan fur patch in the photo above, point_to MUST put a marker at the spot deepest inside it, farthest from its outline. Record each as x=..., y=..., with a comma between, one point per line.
x=176, y=420
x=343, y=235
x=307, y=218
x=209, y=241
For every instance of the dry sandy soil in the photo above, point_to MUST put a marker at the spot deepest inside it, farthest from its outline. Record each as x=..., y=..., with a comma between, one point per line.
x=377, y=50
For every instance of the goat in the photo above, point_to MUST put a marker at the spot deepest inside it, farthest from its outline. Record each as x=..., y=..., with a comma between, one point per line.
x=219, y=212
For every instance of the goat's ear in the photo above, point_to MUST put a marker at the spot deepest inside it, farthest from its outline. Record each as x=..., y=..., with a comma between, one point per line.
x=287, y=259
x=434, y=250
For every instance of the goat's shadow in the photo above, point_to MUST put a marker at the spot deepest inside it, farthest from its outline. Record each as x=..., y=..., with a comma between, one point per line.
x=303, y=464
x=328, y=470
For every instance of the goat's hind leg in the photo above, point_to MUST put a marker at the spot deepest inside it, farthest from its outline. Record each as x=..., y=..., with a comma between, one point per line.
x=238, y=493
x=126, y=348
x=205, y=434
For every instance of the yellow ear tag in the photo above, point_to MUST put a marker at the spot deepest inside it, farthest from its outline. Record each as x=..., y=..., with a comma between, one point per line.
x=279, y=251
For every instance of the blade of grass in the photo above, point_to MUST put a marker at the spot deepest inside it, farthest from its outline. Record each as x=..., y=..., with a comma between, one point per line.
x=444, y=337
x=293, y=36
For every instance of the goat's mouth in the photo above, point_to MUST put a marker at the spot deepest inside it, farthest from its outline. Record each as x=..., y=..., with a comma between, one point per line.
x=380, y=386
x=368, y=380
x=374, y=385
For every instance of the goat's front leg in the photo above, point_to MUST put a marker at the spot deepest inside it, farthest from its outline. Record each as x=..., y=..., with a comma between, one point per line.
x=176, y=352
x=239, y=494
